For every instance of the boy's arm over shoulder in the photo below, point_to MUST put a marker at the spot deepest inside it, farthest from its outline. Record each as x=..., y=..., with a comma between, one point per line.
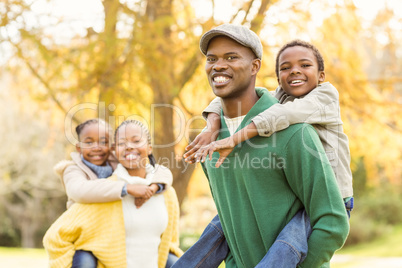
x=320, y=106
x=214, y=107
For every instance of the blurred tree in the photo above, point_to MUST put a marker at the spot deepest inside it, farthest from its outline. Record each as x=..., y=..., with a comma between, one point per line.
x=143, y=62
x=30, y=195
x=138, y=65
x=369, y=105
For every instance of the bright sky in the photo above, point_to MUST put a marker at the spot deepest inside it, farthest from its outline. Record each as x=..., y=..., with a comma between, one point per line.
x=89, y=13
x=87, y=9
x=369, y=8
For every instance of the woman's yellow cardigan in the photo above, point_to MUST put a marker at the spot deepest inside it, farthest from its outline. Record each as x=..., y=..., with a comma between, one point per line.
x=99, y=227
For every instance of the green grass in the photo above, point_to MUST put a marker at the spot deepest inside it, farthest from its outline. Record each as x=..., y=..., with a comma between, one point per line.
x=26, y=252
x=388, y=245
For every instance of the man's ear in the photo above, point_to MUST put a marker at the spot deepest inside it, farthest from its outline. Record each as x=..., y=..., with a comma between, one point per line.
x=78, y=147
x=321, y=77
x=256, y=65
x=113, y=147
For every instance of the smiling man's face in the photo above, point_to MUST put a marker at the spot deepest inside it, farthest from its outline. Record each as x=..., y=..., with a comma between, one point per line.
x=230, y=67
x=298, y=71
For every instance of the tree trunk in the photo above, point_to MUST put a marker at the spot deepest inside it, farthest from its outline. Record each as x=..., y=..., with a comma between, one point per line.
x=108, y=69
x=27, y=233
x=165, y=142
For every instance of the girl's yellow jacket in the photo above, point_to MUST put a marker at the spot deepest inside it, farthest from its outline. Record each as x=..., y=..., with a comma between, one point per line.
x=99, y=228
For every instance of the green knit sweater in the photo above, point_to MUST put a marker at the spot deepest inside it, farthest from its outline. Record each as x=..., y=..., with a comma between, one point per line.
x=265, y=181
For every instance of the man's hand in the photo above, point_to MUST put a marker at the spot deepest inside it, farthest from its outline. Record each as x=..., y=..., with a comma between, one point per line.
x=224, y=147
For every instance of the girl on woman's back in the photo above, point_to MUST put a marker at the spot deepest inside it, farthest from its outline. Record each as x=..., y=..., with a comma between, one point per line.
x=118, y=233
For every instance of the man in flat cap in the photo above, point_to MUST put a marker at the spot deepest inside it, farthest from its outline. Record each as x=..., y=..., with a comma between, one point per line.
x=265, y=182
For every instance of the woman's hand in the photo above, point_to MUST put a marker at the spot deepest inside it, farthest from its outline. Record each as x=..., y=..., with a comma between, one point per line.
x=138, y=201
x=140, y=191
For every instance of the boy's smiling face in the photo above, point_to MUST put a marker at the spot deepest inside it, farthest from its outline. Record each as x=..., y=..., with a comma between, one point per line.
x=298, y=71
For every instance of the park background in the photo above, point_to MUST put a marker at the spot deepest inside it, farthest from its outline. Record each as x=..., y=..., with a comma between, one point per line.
x=62, y=62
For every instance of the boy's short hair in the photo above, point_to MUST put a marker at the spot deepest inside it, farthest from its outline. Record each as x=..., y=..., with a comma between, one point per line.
x=300, y=43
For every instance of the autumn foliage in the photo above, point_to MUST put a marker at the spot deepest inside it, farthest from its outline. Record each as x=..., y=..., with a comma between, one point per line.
x=140, y=59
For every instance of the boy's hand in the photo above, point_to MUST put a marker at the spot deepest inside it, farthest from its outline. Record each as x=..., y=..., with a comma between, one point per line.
x=204, y=138
x=224, y=147
x=201, y=140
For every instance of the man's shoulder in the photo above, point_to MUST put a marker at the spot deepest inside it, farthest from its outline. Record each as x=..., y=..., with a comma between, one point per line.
x=262, y=91
x=266, y=100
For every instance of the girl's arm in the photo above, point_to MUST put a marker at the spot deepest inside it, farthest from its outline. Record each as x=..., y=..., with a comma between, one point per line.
x=82, y=190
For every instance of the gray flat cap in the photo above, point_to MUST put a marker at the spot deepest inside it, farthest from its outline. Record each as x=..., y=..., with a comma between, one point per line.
x=239, y=33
